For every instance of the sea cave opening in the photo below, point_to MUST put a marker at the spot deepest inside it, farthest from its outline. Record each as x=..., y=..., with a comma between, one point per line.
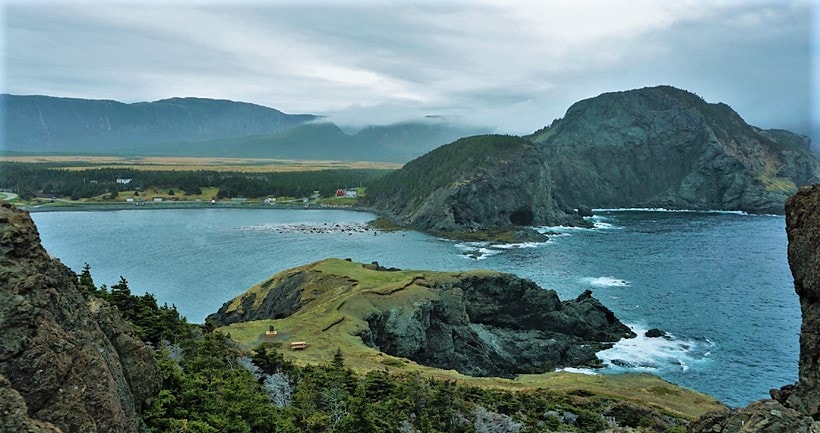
x=522, y=217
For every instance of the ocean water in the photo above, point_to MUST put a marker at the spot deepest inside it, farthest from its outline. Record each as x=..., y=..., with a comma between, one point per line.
x=717, y=283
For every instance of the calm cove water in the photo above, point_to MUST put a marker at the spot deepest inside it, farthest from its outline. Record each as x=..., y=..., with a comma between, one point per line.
x=718, y=283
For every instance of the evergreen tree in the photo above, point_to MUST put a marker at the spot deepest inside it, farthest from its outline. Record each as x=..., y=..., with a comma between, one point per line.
x=85, y=280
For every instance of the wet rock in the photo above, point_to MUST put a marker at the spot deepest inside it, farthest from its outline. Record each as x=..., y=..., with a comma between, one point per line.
x=655, y=333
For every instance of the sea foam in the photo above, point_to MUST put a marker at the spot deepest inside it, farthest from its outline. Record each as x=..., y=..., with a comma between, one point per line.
x=483, y=250
x=660, y=354
x=599, y=222
x=660, y=209
x=605, y=282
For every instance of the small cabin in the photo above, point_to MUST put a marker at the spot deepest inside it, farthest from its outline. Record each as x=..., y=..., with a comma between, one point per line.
x=271, y=332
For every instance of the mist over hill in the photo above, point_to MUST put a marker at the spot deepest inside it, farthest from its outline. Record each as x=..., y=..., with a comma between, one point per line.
x=398, y=142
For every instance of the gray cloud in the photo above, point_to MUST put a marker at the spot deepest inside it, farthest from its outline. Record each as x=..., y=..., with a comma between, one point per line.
x=509, y=67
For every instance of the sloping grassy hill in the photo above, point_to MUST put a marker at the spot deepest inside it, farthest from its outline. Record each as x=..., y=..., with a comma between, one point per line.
x=326, y=305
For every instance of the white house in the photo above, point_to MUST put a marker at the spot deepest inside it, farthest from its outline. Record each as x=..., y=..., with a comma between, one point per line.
x=124, y=181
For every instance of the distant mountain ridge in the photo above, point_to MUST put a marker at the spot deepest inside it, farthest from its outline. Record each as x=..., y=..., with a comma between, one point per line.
x=206, y=127
x=51, y=124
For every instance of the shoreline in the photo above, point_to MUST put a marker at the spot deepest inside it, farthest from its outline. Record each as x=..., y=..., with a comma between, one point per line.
x=80, y=206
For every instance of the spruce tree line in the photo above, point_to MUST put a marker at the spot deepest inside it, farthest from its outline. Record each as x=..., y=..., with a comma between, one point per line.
x=41, y=180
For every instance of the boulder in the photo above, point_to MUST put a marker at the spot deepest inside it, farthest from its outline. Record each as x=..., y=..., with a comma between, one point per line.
x=655, y=333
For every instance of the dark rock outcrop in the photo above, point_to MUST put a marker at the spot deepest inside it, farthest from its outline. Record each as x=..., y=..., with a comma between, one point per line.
x=793, y=408
x=497, y=326
x=655, y=333
x=665, y=147
x=473, y=184
x=67, y=361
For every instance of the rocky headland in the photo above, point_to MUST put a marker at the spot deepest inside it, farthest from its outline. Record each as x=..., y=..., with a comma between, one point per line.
x=68, y=362
x=477, y=323
x=794, y=408
x=657, y=147
x=668, y=148
x=487, y=186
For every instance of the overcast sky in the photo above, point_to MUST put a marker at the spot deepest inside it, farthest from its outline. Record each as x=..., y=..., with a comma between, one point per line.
x=511, y=66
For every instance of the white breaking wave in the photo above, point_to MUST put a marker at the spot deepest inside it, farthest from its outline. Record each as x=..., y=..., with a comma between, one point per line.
x=660, y=209
x=482, y=250
x=599, y=222
x=605, y=282
x=578, y=370
x=667, y=353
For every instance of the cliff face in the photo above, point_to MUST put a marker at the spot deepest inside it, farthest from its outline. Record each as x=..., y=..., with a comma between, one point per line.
x=473, y=184
x=803, y=229
x=794, y=408
x=478, y=323
x=665, y=147
x=67, y=362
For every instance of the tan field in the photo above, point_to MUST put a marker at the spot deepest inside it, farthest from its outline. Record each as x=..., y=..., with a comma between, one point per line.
x=162, y=163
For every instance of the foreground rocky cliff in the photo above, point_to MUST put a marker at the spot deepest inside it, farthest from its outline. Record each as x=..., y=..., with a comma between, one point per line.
x=793, y=408
x=666, y=147
x=478, y=323
x=68, y=362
